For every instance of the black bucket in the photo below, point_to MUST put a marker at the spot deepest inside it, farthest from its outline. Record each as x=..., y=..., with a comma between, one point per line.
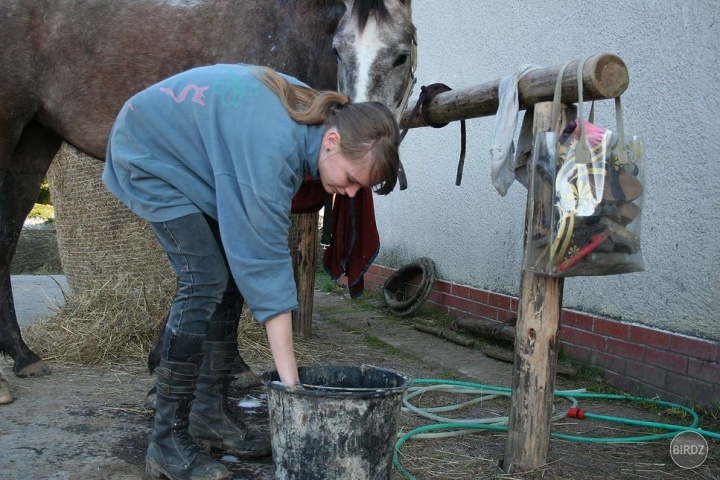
x=341, y=425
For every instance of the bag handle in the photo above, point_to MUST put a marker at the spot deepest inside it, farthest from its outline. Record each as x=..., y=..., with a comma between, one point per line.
x=580, y=157
x=621, y=153
x=555, y=112
x=582, y=151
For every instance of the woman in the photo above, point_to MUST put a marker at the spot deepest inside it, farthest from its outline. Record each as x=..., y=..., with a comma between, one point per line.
x=212, y=158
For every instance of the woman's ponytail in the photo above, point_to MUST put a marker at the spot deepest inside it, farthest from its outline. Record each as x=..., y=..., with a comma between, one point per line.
x=303, y=104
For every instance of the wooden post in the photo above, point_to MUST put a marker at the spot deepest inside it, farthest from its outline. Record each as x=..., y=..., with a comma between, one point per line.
x=536, y=348
x=305, y=273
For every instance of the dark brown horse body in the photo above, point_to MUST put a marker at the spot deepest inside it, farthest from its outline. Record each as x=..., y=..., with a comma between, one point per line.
x=67, y=67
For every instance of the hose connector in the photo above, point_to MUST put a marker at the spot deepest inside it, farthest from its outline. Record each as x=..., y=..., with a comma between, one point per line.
x=576, y=413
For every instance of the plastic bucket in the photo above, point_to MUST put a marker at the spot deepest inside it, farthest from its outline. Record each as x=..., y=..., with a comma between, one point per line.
x=341, y=425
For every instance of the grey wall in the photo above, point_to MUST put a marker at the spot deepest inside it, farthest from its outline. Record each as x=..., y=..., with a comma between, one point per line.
x=474, y=235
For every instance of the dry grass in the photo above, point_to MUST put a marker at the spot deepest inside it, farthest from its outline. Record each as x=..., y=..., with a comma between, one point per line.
x=113, y=324
x=117, y=324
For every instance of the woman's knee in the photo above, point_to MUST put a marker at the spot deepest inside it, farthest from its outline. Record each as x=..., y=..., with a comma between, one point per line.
x=209, y=281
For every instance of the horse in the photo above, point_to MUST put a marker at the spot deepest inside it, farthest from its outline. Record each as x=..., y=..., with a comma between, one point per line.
x=68, y=66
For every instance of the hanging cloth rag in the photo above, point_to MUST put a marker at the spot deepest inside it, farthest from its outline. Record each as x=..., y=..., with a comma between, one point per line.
x=503, y=160
x=354, y=242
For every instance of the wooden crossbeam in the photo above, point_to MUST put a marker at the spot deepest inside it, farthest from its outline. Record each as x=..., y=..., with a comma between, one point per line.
x=604, y=76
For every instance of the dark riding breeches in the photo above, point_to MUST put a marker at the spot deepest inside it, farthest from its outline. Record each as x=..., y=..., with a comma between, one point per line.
x=207, y=303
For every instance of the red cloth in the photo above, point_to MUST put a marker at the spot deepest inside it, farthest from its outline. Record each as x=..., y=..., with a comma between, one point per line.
x=309, y=199
x=355, y=240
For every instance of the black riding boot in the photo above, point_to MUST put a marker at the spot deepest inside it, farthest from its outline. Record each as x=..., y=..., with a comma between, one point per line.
x=171, y=451
x=212, y=424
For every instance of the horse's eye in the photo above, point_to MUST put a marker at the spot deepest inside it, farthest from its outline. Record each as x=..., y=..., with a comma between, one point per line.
x=337, y=54
x=400, y=60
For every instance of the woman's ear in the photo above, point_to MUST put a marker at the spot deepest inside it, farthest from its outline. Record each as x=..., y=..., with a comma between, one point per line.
x=332, y=139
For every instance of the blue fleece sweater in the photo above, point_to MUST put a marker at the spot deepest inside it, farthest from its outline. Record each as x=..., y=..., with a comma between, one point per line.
x=216, y=140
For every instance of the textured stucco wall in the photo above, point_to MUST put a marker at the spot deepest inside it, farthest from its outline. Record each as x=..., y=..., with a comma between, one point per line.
x=672, y=51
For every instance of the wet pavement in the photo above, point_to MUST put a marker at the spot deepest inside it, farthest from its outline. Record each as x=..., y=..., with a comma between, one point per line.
x=36, y=296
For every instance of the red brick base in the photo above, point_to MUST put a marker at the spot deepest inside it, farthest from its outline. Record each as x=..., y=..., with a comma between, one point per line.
x=638, y=359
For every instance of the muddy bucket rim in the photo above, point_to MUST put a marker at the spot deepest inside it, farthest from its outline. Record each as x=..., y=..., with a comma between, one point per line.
x=271, y=381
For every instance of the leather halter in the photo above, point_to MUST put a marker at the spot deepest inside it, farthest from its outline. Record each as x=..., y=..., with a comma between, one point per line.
x=411, y=78
x=402, y=179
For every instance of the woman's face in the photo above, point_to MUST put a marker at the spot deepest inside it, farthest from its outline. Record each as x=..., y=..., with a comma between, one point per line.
x=338, y=173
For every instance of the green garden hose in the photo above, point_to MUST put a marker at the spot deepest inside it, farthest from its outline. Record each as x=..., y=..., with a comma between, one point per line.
x=453, y=427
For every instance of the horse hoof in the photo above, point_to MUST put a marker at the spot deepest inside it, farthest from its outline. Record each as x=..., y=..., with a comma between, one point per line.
x=37, y=369
x=5, y=393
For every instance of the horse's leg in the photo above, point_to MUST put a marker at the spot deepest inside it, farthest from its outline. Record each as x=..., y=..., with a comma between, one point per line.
x=28, y=165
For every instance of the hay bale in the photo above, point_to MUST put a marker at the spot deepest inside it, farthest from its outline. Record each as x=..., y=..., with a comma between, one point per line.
x=120, y=278
x=100, y=241
x=37, y=252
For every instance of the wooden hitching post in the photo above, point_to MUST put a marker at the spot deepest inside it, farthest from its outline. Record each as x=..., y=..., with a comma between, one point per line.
x=305, y=273
x=536, y=348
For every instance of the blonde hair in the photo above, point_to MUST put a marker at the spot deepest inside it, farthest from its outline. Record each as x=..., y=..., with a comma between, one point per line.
x=367, y=127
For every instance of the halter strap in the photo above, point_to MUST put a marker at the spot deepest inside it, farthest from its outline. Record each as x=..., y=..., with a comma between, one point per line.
x=411, y=78
x=402, y=178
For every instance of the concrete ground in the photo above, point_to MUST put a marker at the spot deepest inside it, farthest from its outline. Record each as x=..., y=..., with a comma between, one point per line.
x=84, y=423
x=37, y=295
x=87, y=423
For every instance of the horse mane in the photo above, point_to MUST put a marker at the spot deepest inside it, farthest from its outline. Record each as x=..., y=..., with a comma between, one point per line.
x=362, y=9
